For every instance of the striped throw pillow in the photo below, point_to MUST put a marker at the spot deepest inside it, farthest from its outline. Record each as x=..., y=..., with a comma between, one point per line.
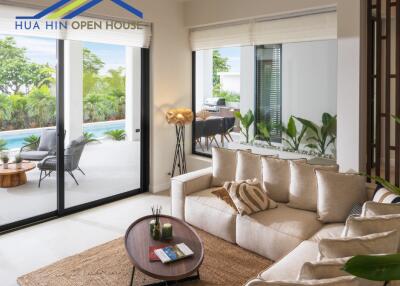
x=249, y=197
x=385, y=196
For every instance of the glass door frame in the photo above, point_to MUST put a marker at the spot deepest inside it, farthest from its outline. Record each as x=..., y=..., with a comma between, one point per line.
x=60, y=209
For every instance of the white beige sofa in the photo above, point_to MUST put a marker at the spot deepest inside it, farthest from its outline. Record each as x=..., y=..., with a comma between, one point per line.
x=286, y=235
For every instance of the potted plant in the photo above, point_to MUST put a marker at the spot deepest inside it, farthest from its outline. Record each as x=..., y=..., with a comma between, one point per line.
x=294, y=138
x=18, y=161
x=245, y=121
x=5, y=159
x=264, y=132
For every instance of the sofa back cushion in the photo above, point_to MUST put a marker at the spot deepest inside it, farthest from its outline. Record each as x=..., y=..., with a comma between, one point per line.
x=337, y=194
x=358, y=226
x=303, y=184
x=276, y=177
x=248, y=166
x=223, y=165
x=373, y=209
x=377, y=243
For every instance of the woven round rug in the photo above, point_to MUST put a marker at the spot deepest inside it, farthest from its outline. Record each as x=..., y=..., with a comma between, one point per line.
x=108, y=265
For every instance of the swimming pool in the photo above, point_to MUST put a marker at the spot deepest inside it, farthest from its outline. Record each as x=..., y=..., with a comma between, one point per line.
x=15, y=139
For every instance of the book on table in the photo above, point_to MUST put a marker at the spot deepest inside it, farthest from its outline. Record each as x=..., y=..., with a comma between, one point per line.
x=173, y=252
x=152, y=256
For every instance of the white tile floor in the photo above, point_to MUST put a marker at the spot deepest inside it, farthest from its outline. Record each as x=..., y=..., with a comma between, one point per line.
x=28, y=249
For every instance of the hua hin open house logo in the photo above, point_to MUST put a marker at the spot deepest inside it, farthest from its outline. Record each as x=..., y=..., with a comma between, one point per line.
x=62, y=15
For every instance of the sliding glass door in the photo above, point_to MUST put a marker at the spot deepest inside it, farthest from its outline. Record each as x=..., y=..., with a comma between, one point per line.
x=27, y=126
x=76, y=115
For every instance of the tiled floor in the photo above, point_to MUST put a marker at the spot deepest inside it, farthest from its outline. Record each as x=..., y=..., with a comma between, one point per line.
x=29, y=249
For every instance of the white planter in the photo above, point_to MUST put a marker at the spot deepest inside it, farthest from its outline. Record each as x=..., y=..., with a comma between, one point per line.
x=5, y=165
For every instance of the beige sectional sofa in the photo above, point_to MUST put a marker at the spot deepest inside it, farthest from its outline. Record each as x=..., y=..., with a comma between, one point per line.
x=287, y=235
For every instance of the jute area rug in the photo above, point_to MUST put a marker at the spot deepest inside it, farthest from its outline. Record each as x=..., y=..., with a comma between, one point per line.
x=108, y=265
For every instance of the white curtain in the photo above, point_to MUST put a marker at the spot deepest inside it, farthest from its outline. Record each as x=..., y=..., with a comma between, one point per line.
x=125, y=37
x=311, y=27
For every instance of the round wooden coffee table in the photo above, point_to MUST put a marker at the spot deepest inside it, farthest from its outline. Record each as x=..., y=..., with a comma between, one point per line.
x=138, y=241
x=13, y=177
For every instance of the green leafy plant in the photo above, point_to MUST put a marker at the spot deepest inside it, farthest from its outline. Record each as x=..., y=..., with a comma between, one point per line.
x=33, y=141
x=264, y=131
x=18, y=158
x=294, y=138
x=376, y=268
x=90, y=137
x=228, y=96
x=3, y=145
x=245, y=121
x=322, y=136
x=4, y=158
x=117, y=135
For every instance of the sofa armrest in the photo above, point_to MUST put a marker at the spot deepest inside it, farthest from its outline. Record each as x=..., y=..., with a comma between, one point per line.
x=184, y=185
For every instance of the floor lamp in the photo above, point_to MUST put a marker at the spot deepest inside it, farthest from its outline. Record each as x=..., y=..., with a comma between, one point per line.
x=180, y=118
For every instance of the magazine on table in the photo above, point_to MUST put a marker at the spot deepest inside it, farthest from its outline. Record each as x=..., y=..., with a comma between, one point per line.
x=173, y=252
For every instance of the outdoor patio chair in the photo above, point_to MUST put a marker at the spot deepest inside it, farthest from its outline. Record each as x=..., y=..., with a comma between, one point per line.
x=212, y=128
x=47, y=145
x=72, y=156
x=199, y=132
x=229, y=124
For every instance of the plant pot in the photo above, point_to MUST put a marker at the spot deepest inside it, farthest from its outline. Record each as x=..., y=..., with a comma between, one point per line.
x=5, y=165
x=18, y=165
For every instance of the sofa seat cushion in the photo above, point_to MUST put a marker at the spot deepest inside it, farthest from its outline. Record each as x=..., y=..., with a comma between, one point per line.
x=211, y=214
x=332, y=230
x=274, y=233
x=288, y=268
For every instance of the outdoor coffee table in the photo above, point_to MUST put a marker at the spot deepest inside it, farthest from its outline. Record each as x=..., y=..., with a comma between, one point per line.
x=138, y=240
x=13, y=177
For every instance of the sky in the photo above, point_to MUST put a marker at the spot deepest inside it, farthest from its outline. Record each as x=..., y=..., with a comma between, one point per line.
x=233, y=55
x=43, y=51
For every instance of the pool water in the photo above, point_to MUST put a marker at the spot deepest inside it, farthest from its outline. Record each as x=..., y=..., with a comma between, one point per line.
x=15, y=140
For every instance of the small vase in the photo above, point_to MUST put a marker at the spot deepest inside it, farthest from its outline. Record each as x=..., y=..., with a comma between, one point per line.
x=5, y=165
x=18, y=165
x=156, y=233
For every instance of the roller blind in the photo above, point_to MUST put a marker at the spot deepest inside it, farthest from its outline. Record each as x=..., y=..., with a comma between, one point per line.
x=320, y=26
x=126, y=37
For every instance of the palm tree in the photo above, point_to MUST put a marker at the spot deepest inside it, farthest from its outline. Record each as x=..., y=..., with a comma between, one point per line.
x=5, y=107
x=42, y=106
x=94, y=107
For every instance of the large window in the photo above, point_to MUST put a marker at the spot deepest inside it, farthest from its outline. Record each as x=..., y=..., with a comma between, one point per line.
x=260, y=102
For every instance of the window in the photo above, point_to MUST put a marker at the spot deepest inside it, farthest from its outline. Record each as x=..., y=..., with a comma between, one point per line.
x=218, y=97
x=269, y=89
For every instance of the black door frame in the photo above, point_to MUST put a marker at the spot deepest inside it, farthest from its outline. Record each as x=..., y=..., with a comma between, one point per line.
x=144, y=149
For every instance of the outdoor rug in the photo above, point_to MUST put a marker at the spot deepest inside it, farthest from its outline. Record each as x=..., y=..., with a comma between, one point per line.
x=108, y=265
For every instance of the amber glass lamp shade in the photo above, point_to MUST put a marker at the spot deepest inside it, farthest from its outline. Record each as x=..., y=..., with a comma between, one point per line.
x=180, y=116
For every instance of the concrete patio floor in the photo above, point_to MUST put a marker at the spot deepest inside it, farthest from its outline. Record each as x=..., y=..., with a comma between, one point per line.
x=111, y=168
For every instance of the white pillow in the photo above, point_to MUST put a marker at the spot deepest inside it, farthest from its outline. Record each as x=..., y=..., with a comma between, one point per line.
x=377, y=243
x=338, y=281
x=329, y=268
x=373, y=209
x=276, y=177
x=337, y=194
x=224, y=166
x=358, y=226
x=248, y=166
x=303, y=185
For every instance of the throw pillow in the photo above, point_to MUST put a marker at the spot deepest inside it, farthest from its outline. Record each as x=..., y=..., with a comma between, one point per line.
x=249, y=197
x=373, y=209
x=358, y=226
x=303, y=185
x=276, y=177
x=248, y=166
x=337, y=193
x=224, y=166
x=377, y=243
x=383, y=195
x=329, y=268
x=338, y=281
x=223, y=194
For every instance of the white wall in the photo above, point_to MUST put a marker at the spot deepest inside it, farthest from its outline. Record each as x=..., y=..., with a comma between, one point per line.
x=309, y=79
x=230, y=81
x=204, y=77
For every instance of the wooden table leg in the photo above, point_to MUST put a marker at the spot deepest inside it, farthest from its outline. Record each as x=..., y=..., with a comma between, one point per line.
x=12, y=180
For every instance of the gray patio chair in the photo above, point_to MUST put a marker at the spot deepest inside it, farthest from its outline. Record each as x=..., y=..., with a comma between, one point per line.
x=72, y=156
x=47, y=146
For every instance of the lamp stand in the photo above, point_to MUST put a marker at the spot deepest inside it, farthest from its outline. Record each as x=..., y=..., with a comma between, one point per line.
x=180, y=158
